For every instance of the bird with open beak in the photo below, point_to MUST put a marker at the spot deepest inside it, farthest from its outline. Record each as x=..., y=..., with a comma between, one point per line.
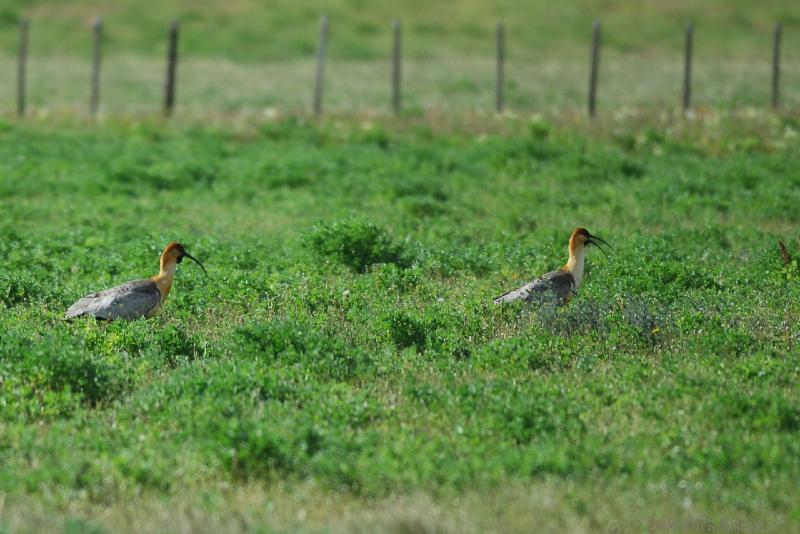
x=138, y=298
x=558, y=286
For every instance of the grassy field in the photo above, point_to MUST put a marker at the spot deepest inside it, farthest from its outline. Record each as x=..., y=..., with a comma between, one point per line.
x=252, y=30
x=244, y=55
x=134, y=87
x=343, y=367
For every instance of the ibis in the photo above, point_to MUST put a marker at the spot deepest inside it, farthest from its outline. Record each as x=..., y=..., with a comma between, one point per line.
x=557, y=287
x=138, y=298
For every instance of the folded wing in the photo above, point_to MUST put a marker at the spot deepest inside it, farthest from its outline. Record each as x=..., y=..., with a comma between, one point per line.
x=128, y=301
x=556, y=287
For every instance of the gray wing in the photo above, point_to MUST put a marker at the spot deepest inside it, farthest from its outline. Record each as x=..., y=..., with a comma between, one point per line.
x=556, y=287
x=128, y=301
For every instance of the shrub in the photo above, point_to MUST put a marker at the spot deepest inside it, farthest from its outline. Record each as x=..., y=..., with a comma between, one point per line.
x=290, y=342
x=94, y=378
x=358, y=244
x=58, y=373
x=407, y=330
x=134, y=171
x=16, y=289
x=175, y=343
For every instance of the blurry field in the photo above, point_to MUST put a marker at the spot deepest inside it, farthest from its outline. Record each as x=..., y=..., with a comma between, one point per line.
x=249, y=56
x=343, y=365
x=251, y=30
x=134, y=85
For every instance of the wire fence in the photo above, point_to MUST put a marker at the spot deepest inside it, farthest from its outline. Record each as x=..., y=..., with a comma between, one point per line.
x=220, y=85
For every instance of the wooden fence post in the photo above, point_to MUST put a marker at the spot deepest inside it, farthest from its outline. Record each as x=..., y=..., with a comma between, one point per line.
x=396, y=66
x=776, y=66
x=595, y=68
x=172, y=66
x=687, y=68
x=499, y=75
x=22, y=61
x=320, y=77
x=94, y=97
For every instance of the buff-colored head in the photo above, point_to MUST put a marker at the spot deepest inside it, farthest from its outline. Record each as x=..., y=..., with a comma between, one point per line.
x=581, y=238
x=174, y=253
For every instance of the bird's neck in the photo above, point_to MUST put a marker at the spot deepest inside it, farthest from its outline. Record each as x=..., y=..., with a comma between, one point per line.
x=165, y=275
x=574, y=266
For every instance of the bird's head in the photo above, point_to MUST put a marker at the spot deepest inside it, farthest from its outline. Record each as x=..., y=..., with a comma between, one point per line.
x=582, y=238
x=174, y=252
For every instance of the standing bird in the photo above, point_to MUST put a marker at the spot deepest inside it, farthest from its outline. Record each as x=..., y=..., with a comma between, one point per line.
x=138, y=298
x=558, y=286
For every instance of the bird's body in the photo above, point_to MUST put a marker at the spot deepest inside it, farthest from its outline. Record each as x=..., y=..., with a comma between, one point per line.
x=131, y=300
x=557, y=287
x=135, y=299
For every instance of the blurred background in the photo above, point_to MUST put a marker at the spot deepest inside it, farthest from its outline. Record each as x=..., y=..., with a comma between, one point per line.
x=259, y=57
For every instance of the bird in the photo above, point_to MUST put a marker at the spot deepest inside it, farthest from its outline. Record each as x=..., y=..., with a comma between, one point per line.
x=138, y=298
x=558, y=287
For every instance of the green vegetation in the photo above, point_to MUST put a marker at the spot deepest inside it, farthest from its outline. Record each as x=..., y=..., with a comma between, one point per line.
x=248, y=55
x=257, y=31
x=344, y=359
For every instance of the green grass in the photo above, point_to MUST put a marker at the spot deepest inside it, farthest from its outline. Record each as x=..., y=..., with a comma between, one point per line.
x=250, y=30
x=209, y=88
x=248, y=56
x=343, y=362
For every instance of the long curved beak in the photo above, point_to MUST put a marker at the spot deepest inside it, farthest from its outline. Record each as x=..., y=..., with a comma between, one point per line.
x=594, y=240
x=196, y=261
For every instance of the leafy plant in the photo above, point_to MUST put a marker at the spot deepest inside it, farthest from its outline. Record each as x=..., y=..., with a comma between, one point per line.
x=358, y=244
x=361, y=358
